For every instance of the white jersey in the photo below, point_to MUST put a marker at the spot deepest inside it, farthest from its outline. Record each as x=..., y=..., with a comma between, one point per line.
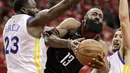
x=24, y=53
x=117, y=65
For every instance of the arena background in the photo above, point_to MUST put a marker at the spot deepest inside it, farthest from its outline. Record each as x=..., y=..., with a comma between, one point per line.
x=109, y=8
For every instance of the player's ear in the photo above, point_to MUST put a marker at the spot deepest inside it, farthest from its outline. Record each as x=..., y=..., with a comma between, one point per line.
x=24, y=10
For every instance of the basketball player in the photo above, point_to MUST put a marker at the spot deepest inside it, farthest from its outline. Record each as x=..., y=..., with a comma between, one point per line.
x=64, y=60
x=22, y=36
x=115, y=58
x=120, y=60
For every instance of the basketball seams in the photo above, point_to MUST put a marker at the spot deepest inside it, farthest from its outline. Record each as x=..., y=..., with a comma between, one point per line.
x=89, y=46
x=85, y=55
x=87, y=50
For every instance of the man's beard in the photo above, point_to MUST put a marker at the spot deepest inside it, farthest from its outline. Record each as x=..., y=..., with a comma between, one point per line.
x=92, y=26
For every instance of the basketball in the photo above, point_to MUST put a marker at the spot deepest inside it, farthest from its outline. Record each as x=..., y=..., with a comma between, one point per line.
x=87, y=50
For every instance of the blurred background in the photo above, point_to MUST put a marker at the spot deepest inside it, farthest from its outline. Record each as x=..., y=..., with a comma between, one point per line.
x=109, y=8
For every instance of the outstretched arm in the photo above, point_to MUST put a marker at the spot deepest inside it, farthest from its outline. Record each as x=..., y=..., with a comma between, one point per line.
x=47, y=15
x=124, y=22
x=43, y=18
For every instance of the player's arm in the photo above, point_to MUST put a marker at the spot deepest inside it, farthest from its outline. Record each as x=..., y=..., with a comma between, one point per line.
x=56, y=42
x=68, y=25
x=104, y=68
x=105, y=63
x=46, y=16
x=43, y=18
x=124, y=22
x=51, y=33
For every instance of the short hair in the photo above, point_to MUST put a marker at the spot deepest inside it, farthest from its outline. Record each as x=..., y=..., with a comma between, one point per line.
x=18, y=4
x=119, y=29
x=92, y=8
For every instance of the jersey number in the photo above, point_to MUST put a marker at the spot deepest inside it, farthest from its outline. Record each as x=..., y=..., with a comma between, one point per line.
x=67, y=59
x=14, y=42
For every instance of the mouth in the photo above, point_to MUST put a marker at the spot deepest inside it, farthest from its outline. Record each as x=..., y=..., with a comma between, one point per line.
x=116, y=44
x=96, y=21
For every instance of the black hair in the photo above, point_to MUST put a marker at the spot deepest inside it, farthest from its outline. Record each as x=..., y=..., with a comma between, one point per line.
x=18, y=4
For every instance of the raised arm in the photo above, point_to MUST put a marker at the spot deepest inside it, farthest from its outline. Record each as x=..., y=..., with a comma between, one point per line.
x=124, y=22
x=43, y=18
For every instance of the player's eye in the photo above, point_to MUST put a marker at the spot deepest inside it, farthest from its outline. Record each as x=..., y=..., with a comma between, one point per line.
x=115, y=35
x=100, y=15
x=94, y=14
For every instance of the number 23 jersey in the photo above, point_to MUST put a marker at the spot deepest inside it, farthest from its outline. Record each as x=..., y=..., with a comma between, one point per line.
x=23, y=52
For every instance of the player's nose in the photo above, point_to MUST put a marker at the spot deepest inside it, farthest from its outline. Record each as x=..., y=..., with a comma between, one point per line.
x=36, y=10
x=97, y=19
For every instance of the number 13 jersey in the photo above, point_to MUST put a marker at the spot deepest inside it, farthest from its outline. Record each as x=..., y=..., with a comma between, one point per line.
x=24, y=53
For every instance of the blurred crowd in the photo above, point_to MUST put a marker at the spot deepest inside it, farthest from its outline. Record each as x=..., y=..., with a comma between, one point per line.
x=109, y=8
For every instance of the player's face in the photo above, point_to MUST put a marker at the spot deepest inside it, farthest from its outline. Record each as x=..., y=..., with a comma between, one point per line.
x=93, y=20
x=117, y=41
x=95, y=14
x=31, y=8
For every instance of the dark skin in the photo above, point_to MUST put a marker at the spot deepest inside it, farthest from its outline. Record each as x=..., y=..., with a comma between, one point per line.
x=36, y=24
x=70, y=25
x=42, y=18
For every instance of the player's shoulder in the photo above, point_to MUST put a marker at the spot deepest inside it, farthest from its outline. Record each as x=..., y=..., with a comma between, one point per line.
x=21, y=17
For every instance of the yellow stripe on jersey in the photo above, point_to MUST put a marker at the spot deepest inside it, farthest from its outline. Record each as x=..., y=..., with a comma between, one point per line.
x=39, y=59
x=126, y=69
x=37, y=55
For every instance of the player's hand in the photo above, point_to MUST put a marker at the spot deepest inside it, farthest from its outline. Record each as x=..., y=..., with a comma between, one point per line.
x=50, y=31
x=73, y=44
x=102, y=64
